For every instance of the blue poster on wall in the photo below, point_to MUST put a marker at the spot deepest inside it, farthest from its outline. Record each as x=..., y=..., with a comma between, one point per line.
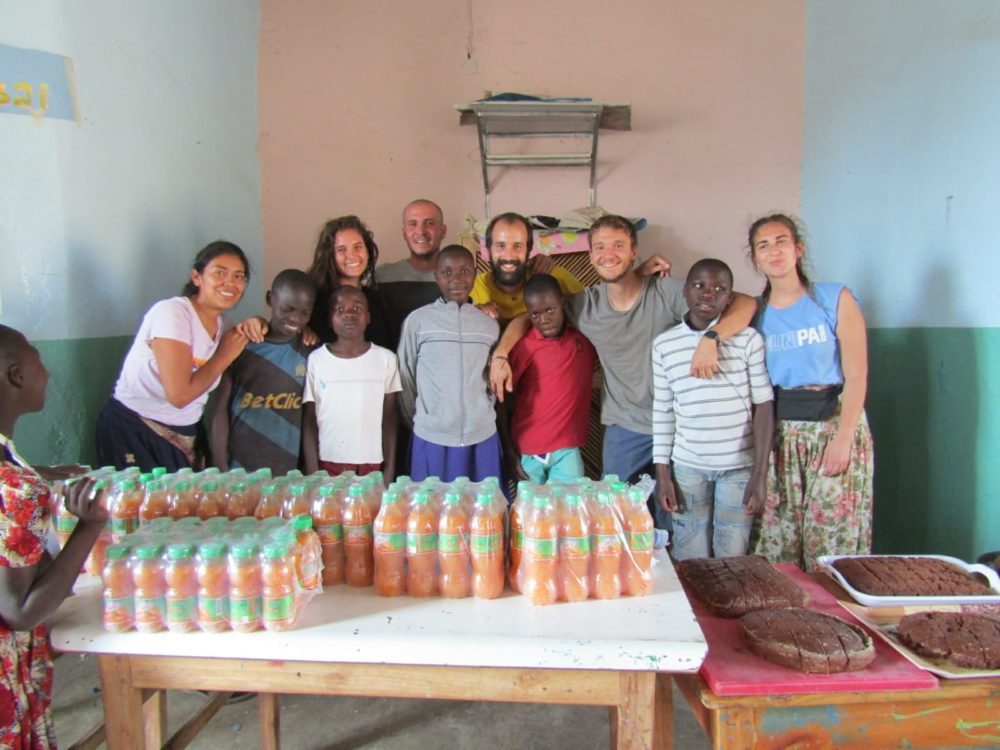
x=36, y=83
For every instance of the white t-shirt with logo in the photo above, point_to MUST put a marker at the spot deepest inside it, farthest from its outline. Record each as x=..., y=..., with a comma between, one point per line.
x=139, y=386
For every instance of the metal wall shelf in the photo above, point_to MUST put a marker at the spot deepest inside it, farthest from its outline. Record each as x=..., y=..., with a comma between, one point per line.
x=542, y=120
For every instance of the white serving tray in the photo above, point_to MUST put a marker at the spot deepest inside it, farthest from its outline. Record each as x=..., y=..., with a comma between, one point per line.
x=870, y=600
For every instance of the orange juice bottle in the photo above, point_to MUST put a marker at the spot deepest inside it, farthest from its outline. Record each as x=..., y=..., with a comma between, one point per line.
x=244, y=587
x=606, y=545
x=182, y=588
x=181, y=500
x=213, y=588
x=637, y=562
x=540, y=553
x=517, y=510
x=573, y=578
x=150, y=589
x=64, y=521
x=421, y=547
x=486, y=547
x=154, y=505
x=358, y=540
x=296, y=501
x=119, y=590
x=278, y=586
x=390, y=546
x=239, y=502
x=95, y=560
x=270, y=501
x=309, y=559
x=455, y=580
x=212, y=503
x=328, y=521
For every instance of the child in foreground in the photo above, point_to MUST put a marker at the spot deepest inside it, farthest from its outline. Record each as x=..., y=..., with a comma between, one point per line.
x=711, y=438
x=349, y=404
x=443, y=353
x=553, y=373
x=257, y=414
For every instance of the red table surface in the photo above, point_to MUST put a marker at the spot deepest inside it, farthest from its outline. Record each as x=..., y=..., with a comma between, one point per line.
x=732, y=669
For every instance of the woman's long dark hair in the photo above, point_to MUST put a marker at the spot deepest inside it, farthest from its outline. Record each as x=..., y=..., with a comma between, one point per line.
x=210, y=252
x=323, y=270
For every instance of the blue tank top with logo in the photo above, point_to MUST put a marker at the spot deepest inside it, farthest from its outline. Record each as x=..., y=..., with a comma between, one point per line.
x=801, y=339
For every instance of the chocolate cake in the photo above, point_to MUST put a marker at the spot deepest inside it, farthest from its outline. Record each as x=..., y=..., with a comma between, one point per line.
x=733, y=586
x=971, y=641
x=908, y=576
x=807, y=641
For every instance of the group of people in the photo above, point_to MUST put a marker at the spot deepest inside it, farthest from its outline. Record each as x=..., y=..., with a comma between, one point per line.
x=749, y=411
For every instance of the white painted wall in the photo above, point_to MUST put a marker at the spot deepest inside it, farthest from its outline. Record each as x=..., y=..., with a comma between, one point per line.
x=100, y=219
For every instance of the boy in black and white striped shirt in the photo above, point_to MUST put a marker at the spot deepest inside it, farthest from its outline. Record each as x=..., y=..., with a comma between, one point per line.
x=711, y=438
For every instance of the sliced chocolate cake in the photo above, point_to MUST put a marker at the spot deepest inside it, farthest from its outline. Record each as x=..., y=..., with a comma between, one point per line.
x=970, y=641
x=733, y=586
x=807, y=641
x=908, y=576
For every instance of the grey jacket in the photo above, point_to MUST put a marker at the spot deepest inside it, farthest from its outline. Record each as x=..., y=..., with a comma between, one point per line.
x=443, y=354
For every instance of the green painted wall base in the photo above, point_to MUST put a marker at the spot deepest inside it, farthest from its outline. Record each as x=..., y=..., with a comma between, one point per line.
x=934, y=408
x=82, y=373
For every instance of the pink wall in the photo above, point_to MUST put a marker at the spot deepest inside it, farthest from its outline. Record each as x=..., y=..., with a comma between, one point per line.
x=356, y=114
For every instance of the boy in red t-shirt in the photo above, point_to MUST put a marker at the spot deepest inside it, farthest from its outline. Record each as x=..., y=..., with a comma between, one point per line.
x=553, y=372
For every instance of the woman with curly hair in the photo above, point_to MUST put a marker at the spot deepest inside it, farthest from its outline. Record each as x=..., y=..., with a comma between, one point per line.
x=346, y=255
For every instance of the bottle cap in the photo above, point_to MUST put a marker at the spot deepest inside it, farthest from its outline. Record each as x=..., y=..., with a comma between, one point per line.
x=149, y=551
x=356, y=490
x=276, y=549
x=179, y=551
x=302, y=522
x=117, y=551
x=211, y=550
x=243, y=550
x=297, y=489
x=452, y=498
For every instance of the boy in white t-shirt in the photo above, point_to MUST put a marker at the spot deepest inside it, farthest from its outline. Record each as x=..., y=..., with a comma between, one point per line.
x=350, y=413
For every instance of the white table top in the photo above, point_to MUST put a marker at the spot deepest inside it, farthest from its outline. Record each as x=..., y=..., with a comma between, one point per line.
x=651, y=633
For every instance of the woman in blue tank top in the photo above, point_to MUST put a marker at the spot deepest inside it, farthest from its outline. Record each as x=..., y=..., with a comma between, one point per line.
x=820, y=490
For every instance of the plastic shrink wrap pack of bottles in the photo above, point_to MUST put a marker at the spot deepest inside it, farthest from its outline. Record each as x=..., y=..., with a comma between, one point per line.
x=253, y=516
x=434, y=538
x=574, y=541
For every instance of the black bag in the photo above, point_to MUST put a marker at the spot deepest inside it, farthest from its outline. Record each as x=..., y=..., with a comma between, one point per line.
x=806, y=405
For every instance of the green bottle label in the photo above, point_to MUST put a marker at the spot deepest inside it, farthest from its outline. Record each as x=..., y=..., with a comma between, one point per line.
x=516, y=539
x=540, y=548
x=180, y=610
x=606, y=544
x=641, y=541
x=123, y=526
x=150, y=607
x=390, y=542
x=66, y=524
x=574, y=546
x=330, y=533
x=359, y=535
x=279, y=608
x=213, y=608
x=485, y=544
x=453, y=544
x=418, y=543
x=119, y=608
x=244, y=609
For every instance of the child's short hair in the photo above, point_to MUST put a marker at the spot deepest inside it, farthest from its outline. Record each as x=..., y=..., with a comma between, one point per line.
x=711, y=264
x=293, y=278
x=457, y=251
x=341, y=290
x=541, y=283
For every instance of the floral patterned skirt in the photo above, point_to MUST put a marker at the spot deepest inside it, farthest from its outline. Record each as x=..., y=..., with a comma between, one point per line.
x=806, y=514
x=26, y=691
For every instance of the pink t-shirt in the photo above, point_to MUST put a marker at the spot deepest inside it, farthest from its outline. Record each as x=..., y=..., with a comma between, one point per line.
x=139, y=386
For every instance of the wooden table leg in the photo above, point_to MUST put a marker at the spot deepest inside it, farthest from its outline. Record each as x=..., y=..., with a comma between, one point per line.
x=154, y=717
x=643, y=719
x=123, y=709
x=269, y=712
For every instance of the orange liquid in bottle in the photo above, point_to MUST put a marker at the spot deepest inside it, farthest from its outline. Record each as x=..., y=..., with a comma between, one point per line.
x=517, y=534
x=573, y=577
x=606, y=546
x=182, y=588
x=240, y=503
x=150, y=589
x=455, y=580
x=637, y=561
x=540, y=553
x=278, y=587
x=328, y=522
x=213, y=588
x=154, y=505
x=119, y=590
x=421, y=547
x=212, y=501
x=358, y=539
x=390, y=546
x=244, y=588
x=270, y=501
x=486, y=548
x=309, y=558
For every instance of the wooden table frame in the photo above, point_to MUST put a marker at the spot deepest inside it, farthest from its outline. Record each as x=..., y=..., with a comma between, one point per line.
x=641, y=705
x=957, y=713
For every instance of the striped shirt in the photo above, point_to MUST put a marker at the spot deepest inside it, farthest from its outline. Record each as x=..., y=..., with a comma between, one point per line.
x=707, y=424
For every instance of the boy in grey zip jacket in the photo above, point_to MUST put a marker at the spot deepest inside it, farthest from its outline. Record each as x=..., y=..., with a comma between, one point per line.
x=443, y=353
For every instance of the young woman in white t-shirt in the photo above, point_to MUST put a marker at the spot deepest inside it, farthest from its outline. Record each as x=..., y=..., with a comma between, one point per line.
x=180, y=351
